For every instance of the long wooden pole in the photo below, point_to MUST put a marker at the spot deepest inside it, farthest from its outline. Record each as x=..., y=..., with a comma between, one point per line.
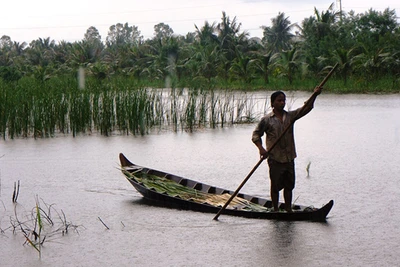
x=272, y=146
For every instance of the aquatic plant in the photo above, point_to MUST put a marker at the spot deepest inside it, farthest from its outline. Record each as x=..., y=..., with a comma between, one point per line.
x=38, y=226
x=308, y=169
x=41, y=110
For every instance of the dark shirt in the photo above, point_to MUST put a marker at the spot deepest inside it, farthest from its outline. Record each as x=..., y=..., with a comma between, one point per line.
x=272, y=126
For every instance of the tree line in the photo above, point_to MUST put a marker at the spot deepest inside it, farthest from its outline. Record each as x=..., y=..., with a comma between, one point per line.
x=366, y=46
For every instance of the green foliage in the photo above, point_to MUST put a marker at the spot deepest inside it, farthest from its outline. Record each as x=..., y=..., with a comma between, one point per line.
x=365, y=46
x=10, y=74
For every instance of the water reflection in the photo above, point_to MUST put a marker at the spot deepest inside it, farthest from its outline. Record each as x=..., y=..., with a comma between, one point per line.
x=288, y=243
x=283, y=235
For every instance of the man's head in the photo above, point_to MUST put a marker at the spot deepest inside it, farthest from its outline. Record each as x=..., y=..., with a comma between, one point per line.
x=278, y=100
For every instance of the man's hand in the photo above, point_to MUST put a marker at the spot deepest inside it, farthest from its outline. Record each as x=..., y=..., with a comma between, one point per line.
x=263, y=153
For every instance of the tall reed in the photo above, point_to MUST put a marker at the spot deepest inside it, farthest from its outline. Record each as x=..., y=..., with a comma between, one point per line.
x=44, y=109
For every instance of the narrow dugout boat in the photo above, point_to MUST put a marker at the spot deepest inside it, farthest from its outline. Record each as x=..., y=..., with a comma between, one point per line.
x=164, y=189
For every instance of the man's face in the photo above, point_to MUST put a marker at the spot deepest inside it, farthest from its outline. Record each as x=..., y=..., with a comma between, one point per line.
x=279, y=102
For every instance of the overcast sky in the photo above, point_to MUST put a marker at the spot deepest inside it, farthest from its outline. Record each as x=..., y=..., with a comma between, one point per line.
x=27, y=20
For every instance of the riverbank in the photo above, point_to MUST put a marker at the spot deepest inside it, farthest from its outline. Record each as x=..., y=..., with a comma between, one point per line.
x=336, y=84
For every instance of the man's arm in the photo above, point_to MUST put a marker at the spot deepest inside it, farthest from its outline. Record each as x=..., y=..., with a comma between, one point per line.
x=309, y=104
x=317, y=92
x=261, y=149
x=256, y=138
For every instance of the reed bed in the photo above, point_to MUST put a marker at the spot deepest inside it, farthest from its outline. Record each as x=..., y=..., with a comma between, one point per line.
x=44, y=110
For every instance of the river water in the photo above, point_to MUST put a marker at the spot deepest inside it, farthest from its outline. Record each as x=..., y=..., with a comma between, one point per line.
x=352, y=143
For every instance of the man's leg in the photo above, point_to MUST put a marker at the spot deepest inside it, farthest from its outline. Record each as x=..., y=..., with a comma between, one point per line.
x=274, y=175
x=289, y=178
x=275, y=198
x=287, y=194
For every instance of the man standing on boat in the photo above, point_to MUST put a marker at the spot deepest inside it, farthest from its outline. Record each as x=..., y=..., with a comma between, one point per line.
x=280, y=147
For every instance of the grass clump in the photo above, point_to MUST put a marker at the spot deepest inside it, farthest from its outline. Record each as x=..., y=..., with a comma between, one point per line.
x=44, y=223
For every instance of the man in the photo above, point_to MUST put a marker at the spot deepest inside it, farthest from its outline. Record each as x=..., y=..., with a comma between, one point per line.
x=281, y=157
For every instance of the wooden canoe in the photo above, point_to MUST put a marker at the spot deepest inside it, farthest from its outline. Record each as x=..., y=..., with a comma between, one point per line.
x=188, y=194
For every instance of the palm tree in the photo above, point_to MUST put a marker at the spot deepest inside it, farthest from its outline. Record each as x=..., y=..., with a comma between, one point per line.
x=393, y=64
x=263, y=63
x=242, y=67
x=206, y=35
x=41, y=52
x=40, y=56
x=62, y=52
x=139, y=59
x=344, y=58
x=371, y=63
x=227, y=30
x=325, y=20
x=278, y=37
x=204, y=61
x=82, y=53
x=5, y=51
x=170, y=52
x=321, y=36
x=18, y=48
x=163, y=55
x=229, y=37
x=287, y=63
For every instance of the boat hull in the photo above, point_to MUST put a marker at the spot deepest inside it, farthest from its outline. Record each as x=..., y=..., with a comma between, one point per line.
x=301, y=213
